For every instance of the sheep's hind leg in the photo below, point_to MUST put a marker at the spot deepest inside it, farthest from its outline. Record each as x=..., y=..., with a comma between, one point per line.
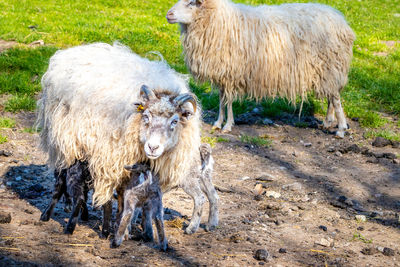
x=221, y=114
x=125, y=219
x=230, y=120
x=330, y=114
x=74, y=216
x=213, y=199
x=146, y=222
x=159, y=221
x=60, y=188
x=198, y=198
x=341, y=118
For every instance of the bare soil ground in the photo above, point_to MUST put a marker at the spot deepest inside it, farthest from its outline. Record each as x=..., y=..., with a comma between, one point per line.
x=311, y=222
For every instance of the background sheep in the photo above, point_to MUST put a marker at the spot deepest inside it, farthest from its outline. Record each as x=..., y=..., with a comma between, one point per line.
x=76, y=182
x=94, y=108
x=142, y=190
x=287, y=50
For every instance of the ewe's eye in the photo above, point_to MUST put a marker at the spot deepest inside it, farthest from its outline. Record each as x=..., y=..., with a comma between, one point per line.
x=174, y=123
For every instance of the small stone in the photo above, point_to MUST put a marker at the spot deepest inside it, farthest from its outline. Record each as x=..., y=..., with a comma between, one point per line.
x=389, y=155
x=324, y=242
x=14, y=161
x=282, y=250
x=18, y=178
x=353, y=148
x=361, y=218
x=244, y=178
x=338, y=154
x=396, y=161
x=388, y=251
x=273, y=194
x=360, y=228
x=323, y=228
x=258, y=197
x=266, y=178
x=261, y=255
x=5, y=153
x=395, y=144
x=307, y=144
x=369, y=251
x=293, y=187
x=380, y=249
x=381, y=142
x=331, y=149
x=267, y=121
x=5, y=217
x=373, y=160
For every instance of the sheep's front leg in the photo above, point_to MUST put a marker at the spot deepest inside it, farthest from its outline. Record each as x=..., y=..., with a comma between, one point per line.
x=221, y=114
x=193, y=190
x=107, y=213
x=85, y=211
x=60, y=188
x=230, y=120
x=213, y=199
x=125, y=219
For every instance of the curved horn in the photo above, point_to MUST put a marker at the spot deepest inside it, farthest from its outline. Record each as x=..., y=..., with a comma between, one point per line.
x=146, y=92
x=183, y=98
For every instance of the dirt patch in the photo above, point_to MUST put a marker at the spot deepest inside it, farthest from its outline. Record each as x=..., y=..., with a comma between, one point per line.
x=303, y=214
x=4, y=45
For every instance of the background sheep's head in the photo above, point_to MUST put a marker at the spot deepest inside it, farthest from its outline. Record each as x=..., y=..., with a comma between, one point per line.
x=164, y=115
x=183, y=11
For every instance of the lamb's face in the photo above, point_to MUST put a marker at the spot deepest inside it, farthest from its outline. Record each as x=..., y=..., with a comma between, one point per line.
x=163, y=118
x=183, y=11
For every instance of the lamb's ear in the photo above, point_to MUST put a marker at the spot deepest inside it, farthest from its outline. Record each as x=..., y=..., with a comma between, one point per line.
x=130, y=167
x=146, y=93
x=187, y=104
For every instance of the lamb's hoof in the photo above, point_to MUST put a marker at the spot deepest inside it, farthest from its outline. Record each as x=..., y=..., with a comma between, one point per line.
x=164, y=246
x=44, y=217
x=104, y=234
x=327, y=125
x=69, y=231
x=115, y=244
x=85, y=216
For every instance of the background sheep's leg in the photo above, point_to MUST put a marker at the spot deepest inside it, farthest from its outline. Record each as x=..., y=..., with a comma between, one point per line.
x=221, y=114
x=159, y=220
x=147, y=226
x=330, y=114
x=341, y=118
x=230, y=120
x=107, y=213
x=213, y=199
x=60, y=188
x=193, y=190
x=126, y=217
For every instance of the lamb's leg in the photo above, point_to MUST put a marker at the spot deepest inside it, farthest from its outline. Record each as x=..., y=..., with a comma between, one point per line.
x=147, y=226
x=330, y=114
x=159, y=220
x=221, y=114
x=60, y=187
x=341, y=118
x=126, y=217
x=85, y=211
x=230, y=120
x=78, y=202
x=107, y=213
x=213, y=199
x=193, y=190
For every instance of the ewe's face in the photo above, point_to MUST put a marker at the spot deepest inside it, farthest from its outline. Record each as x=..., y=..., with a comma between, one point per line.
x=163, y=118
x=183, y=11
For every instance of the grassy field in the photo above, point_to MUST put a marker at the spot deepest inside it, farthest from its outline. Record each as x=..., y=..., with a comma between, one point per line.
x=373, y=91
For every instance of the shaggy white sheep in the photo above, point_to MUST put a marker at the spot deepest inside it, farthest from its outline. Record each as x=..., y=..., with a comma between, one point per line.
x=286, y=50
x=106, y=105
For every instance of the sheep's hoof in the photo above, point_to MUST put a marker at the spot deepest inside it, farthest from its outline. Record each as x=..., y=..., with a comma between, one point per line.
x=163, y=246
x=190, y=230
x=227, y=128
x=69, y=231
x=216, y=127
x=104, y=234
x=340, y=134
x=45, y=217
x=327, y=124
x=210, y=228
x=115, y=244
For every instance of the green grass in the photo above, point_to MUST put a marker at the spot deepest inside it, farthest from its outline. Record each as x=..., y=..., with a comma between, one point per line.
x=7, y=122
x=374, y=81
x=3, y=139
x=387, y=134
x=213, y=140
x=259, y=141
